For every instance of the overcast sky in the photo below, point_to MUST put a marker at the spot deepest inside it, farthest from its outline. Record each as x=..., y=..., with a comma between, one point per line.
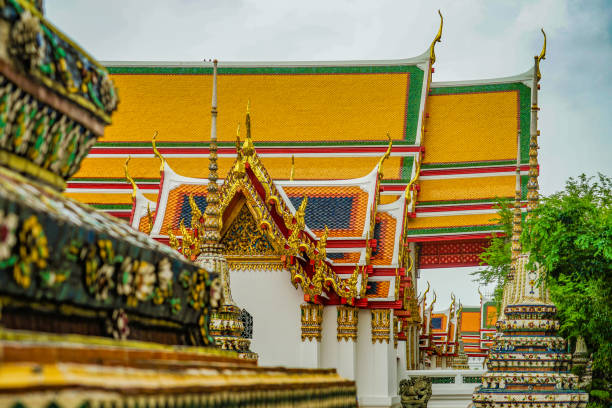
x=481, y=39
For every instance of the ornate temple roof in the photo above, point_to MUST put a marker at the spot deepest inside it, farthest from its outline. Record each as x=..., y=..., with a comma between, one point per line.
x=334, y=119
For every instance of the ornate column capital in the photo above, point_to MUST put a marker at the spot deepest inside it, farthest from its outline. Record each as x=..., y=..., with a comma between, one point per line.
x=348, y=317
x=312, y=318
x=381, y=328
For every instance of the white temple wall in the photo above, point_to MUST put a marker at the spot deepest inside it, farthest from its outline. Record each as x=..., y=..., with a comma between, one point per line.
x=376, y=367
x=275, y=306
x=329, y=342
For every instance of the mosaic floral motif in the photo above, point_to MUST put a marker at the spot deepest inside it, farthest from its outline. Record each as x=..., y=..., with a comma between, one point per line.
x=126, y=276
x=144, y=280
x=99, y=268
x=8, y=239
x=33, y=251
x=164, y=281
x=195, y=283
x=25, y=43
x=117, y=325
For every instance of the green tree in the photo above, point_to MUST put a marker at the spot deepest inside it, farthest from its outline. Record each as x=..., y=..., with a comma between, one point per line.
x=570, y=234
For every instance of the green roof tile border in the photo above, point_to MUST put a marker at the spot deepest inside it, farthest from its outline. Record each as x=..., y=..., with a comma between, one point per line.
x=524, y=105
x=449, y=230
x=415, y=81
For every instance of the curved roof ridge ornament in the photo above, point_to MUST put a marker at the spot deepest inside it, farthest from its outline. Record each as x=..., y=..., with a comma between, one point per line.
x=435, y=297
x=384, y=157
x=129, y=178
x=157, y=153
x=248, y=148
x=541, y=57
x=425, y=293
x=438, y=38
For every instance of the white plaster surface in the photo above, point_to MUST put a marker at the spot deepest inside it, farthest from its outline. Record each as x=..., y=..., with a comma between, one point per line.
x=275, y=306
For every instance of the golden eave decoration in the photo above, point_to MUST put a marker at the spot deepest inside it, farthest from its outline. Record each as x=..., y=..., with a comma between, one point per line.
x=438, y=38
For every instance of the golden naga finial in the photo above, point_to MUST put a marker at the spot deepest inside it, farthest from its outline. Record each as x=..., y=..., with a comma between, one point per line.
x=322, y=245
x=541, y=57
x=432, y=54
x=149, y=218
x=130, y=179
x=385, y=157
x=480, y=294
x=292, y=168
x=433, y=301
x=248, y=148
x=197, y=220
x=452, y=306
x=426, y=291
x=157, y=153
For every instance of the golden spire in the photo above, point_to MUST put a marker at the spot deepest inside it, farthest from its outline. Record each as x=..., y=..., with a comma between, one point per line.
x=532, y=185
x=247, y=148
x=157, y=153
x=517, y=228
x=212, y=235
x=432, y=54
x=239, y=169
x=130, y=179
x=292, y=168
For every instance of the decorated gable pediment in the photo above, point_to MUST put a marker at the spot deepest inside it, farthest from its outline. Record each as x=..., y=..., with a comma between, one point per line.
x=245, y=238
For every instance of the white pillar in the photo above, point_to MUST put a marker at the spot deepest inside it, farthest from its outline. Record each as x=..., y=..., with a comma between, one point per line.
x=348, y=318
x=377, y=384
x=347, y=359
x=310, y=354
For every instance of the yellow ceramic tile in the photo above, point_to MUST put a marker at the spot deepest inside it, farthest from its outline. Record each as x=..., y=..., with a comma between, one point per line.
x=283, y=107
x=308, y=168
x=471, y=127
x=452, y=221
x=466, y=188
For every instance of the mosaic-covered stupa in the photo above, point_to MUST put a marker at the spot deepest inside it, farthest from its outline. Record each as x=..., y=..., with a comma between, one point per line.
x=529, y=365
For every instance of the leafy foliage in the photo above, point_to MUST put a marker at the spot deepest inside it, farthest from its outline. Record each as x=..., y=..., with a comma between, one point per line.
x=570, y=234
x=497, y=256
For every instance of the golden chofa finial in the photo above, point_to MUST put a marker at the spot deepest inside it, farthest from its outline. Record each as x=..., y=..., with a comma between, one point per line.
x=541, y=57
x=292, y=168
x=248, y=148
x=432, y=54
x=130, y=179
x=157, y=153
x=385, y=157
x=435, y=297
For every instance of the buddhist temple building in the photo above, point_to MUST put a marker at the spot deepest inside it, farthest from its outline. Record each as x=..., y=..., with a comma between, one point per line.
x=94, y=312
x=326, y=189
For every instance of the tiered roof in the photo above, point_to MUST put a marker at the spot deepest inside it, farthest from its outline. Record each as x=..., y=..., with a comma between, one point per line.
x=333, y=118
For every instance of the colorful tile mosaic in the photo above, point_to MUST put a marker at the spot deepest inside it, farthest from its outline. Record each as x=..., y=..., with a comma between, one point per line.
x=343, y=209
x=344, y=257
x=378, y=289
x=451, y=253
x=144, y=225
x=384, y=234
x=178, y=207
